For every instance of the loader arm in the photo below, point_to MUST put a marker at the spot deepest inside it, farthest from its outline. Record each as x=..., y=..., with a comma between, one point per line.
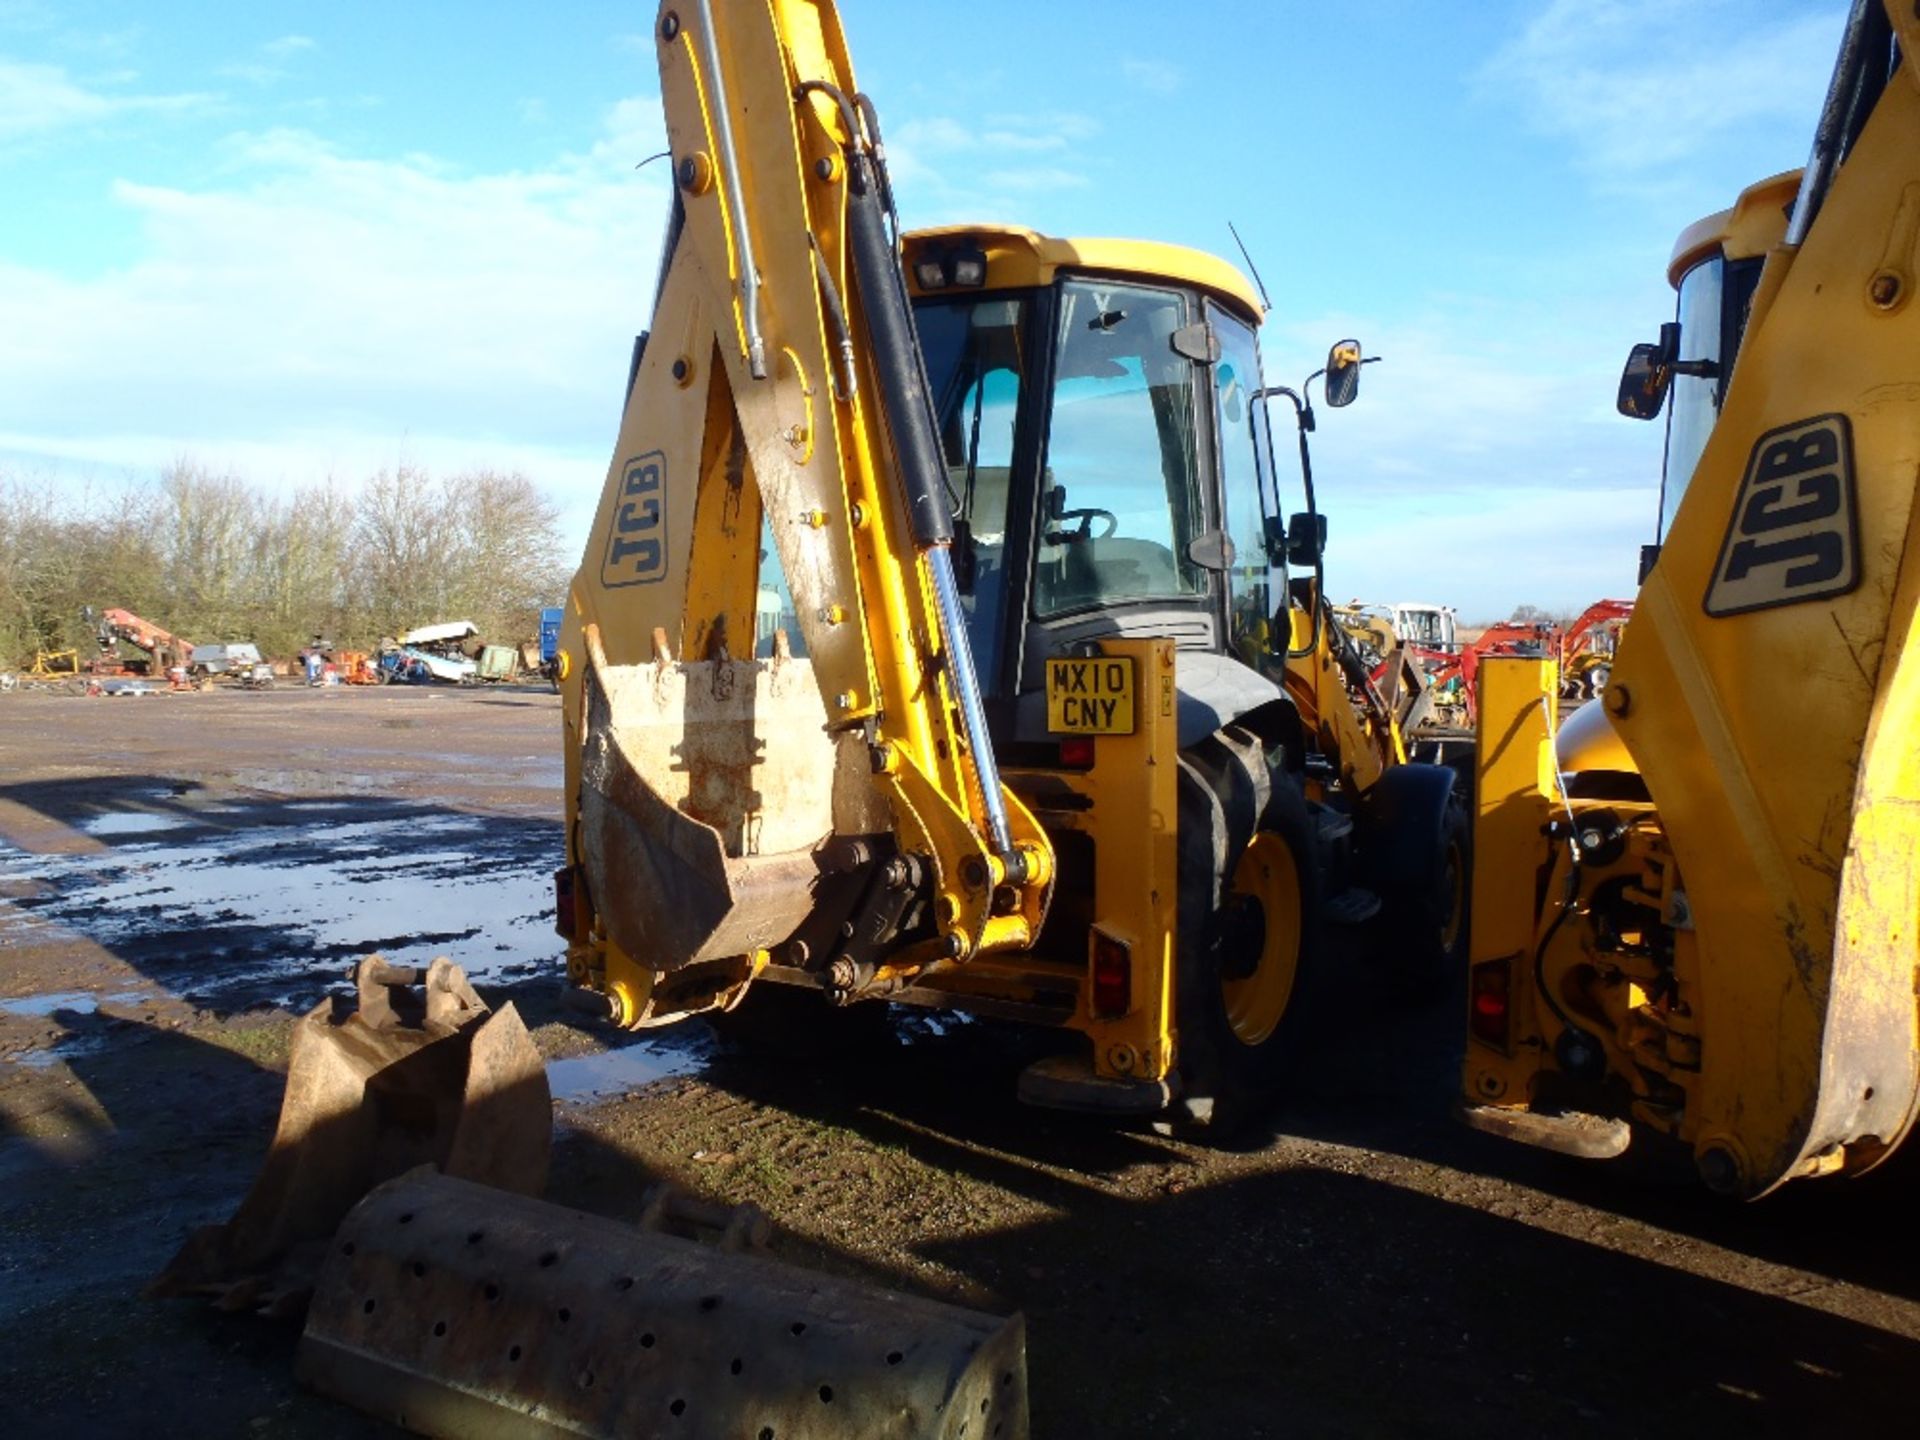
x=721, y=799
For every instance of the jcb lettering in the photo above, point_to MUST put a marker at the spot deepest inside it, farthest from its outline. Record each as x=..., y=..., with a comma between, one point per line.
x=636, y=548
x=1793, y=532
x=1821, y=557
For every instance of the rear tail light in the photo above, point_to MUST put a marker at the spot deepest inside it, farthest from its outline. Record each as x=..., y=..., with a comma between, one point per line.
x=1490, y=1016
x=1076, y=752
x=1112, y=977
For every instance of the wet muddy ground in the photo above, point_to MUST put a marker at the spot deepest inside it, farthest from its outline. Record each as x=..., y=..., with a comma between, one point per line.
x=179, y=875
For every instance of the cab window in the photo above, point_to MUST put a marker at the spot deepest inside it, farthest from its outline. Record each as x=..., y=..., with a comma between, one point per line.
x=1236, y=376
x=1121, y=494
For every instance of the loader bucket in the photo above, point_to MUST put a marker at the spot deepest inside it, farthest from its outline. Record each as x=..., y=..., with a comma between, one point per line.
x=425, y=1076
x=706, y=790
x=451, y=1309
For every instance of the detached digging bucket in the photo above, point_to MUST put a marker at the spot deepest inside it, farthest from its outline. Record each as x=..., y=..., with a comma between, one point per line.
x=426, y=1076
x=454, y=1310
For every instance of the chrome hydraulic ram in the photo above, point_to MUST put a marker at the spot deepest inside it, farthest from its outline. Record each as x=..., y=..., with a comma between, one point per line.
x=736, y=199
x=914, y=428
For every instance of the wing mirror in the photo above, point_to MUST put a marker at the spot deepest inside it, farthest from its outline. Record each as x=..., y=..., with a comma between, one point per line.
x=1648, y=375
x=1343, y=373
x=1306, y=537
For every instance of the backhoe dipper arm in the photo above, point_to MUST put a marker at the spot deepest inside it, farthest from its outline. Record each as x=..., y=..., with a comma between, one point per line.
x=781, y=380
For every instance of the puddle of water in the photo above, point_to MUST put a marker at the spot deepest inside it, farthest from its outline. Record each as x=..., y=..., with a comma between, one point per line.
x=275, y=908
x=84, y=1002
x=133, y=822
x=614, y=1072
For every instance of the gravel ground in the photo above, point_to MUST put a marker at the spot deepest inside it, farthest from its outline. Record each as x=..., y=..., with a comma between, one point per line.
x=179, y=875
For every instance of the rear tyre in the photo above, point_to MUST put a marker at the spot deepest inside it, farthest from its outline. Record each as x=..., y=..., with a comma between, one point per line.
x=1248, y=931
x=1426, y=923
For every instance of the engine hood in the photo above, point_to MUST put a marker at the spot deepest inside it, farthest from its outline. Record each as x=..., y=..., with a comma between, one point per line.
x=1587, y=741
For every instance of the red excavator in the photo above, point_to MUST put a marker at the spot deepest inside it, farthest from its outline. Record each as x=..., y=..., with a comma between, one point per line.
x=166, y=652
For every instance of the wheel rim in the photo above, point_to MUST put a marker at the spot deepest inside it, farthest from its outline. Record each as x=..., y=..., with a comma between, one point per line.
x=1456, y=892
x=1266, y=876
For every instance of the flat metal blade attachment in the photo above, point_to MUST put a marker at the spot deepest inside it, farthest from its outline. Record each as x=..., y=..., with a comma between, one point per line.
x=452, y=1309
x=420, y=1071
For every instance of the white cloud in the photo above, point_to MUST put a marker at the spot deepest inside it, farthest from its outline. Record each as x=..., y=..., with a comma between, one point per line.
x=1483, y=463
x=270, y=65
x=40, y=100
x=1160, y=77
x=1637, y=85
x=320, y=312
x=951, y=170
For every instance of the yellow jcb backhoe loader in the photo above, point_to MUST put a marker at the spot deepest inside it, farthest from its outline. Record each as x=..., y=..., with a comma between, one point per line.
x=1039, y=727
x=1695, y=905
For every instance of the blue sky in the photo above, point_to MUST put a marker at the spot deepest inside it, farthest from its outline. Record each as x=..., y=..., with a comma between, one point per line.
x=294, y=240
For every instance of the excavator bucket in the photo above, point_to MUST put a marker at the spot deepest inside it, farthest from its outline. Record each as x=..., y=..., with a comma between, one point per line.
x=709, y=782
x=420, y=1073
x=451, y=1309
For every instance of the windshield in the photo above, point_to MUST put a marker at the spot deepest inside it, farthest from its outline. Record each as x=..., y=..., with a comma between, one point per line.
x=1422, y=627
x=1120, y=497
x=976, y=369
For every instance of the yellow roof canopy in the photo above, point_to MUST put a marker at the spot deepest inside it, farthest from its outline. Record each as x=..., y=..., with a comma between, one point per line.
x=1018, y=257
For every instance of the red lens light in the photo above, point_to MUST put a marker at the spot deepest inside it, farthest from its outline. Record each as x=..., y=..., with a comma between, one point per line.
x=1489, y=1016
x=1112, y=977
x=1076, y=752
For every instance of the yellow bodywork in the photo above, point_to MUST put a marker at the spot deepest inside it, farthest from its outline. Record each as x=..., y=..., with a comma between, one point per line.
x=1735, y=927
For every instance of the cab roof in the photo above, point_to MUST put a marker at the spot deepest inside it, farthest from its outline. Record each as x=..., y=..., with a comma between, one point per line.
x=1756, y=223
x=1018, y=257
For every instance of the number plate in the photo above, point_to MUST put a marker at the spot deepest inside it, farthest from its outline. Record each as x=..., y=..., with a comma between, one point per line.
x=1090, y=696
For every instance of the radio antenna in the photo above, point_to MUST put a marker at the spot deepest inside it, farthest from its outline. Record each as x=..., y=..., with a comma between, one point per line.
x=1266, y=305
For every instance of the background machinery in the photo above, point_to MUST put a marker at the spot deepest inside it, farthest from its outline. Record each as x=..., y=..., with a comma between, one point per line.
x=1695, y=903
x=163, y=651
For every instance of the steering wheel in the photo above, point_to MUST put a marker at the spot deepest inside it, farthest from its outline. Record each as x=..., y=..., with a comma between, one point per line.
x=1086, y=517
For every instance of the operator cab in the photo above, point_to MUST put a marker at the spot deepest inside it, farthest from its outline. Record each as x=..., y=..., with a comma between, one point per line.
x=1715, y=269
x=1108, y=466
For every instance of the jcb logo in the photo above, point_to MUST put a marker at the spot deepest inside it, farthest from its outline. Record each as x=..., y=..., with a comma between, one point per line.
x=1794, y=534
x=636, y=545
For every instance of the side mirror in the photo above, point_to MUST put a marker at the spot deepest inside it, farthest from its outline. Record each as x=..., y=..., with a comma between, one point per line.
x=1643, y=383
x=1306, y=538
x=1648, y=375
x=1343, y=373
x=1211, y=550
